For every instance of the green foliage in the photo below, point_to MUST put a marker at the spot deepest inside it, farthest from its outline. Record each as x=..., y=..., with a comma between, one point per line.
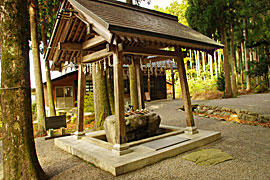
x=221, y=82
x=34, y=110
x=261, y=88
x=89, y=121
x=199, y=86
x=176, y=9
x=259, y=68
x=89, y=103
x=47, y=13
x=206, y=16
x=73, y=119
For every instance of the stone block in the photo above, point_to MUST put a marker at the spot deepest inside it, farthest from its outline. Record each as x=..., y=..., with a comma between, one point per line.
x=210, y=111
x=225, y=114
x=250, y=118
x=138, y=126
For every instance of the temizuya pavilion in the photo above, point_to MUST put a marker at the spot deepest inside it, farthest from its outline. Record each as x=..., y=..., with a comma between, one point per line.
x=89, y=31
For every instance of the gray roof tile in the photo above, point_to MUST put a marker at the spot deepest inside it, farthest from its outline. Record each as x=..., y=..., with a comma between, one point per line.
x=124, y=16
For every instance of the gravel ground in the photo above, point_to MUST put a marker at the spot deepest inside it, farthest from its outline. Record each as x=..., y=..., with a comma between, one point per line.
x=249, y=145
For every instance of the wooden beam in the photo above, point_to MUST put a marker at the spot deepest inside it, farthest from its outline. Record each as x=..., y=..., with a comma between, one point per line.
x=72, y=29
x=93, y=42
x=70, y=46
x=96, y=56
x=149, y=52
x=155, y=59
x=56, y=55
x=185, y=93
x=100, y=27
x=119, y=98
x=80, y=98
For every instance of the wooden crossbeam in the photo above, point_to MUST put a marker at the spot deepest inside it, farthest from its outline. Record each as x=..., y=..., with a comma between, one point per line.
x=56, y=55
x=149, y=52
x=99, y=27
x=155, y=59
x=70, y=46
x=96, y=56
x=93, y=42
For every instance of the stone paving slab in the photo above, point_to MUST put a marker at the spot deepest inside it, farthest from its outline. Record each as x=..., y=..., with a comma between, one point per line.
x=165, y=142
x=139, y=157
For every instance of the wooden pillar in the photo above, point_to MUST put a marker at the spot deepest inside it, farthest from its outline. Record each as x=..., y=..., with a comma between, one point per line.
x=185, y=94
x=140, y=85
x=173, y=88
x=80, y=99
x=121, y=145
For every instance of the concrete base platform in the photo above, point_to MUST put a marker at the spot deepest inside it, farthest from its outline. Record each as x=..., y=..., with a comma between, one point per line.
x=143, y=152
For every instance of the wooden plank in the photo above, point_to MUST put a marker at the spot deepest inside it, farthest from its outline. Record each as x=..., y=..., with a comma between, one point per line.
x=55, y=122
x=170, y=42
x=149, y=52
x=72, y=29
x=70, y=46
x=80, y=98
x=93, y=42
x=77, y=31
x=185, y=91
x=82, y=33
x=98, y=26
x=119, y=98
x=96, y=56
x=155, y=59
x=56, y=55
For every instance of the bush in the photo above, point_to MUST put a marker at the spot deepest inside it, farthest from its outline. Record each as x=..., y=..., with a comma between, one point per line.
x=73, y=119
x=221, y=82
x=34, y=111
x=261, y=88
x=89, y=103
x=200, y=86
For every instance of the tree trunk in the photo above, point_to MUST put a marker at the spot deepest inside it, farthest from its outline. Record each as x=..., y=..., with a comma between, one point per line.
x=203, y=62
x=133, y=86
x=19, y=153
x=256, y=60
x=190, y=56
x=199, y=63
x=196, y=64
x=233, y=63
x=219, y=62
x=48, y=74
x=140, y=85
x=242, y=58
x=101, y=100
x=210, y=57
x=109, y=80
x=228, y=89
x=246, y=57
x=215, y=59
x=37, y=69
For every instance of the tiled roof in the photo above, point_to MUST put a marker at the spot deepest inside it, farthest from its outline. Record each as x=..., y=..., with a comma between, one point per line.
x=120, y=16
